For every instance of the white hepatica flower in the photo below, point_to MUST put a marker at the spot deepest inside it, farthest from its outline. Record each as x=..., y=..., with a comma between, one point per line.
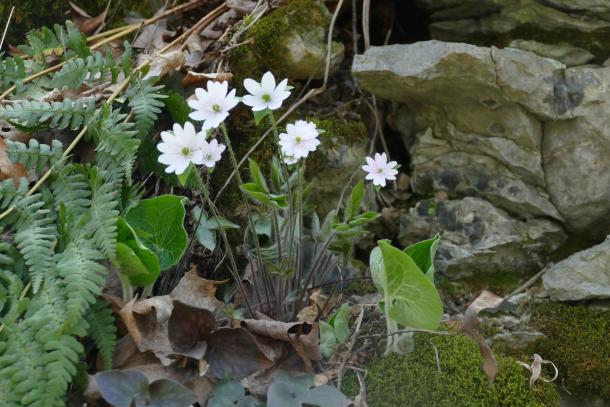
x=212, y=106
x=300, y=139
x=265, y=95
x=181, y=148
x=211, y=152
x=379, y=169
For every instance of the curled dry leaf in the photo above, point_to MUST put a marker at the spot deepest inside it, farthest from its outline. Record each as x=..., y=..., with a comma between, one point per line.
x=536, y=369
x=303, y=336
x=169, y=327
x=470, y=326
x=83, y=21
x=163, y=64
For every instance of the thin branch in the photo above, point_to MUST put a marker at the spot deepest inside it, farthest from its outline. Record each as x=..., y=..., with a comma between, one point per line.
x=8, y=22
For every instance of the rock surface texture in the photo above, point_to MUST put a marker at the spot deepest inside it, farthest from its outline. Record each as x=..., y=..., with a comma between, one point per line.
x=582, y=276
x=582, y=23
x=526, y=135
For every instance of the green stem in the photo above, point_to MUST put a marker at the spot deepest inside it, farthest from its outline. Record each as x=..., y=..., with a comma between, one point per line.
x=261, y=266
x=286, y=175
x=126, y=287
x=221, y=230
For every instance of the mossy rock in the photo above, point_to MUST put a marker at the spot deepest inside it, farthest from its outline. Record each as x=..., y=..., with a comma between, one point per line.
x=33, y=14
x=414, y=380
x=578, y=342
x=290, y=41
x=341, y=152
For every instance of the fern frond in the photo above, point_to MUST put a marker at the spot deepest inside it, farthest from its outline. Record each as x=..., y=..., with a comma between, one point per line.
x=103, y=330
x=84, y=279
x=71, y=190
x=44, y=42
x=35, y=237
x=116, y=144
x=94, y=68
x=146, y=101
x=61, y=115
x=11, y=193
x=98, y=223
x=35, y=155
x=12, y=71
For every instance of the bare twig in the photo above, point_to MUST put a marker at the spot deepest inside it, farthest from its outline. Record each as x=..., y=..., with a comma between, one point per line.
x=366, y=13
x=350, y=346
x=8, y=22
x=408, y=330
x=527, y=284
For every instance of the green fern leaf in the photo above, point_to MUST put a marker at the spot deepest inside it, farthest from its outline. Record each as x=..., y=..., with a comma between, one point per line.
x=61, y=115
x=146, y=101
x=35, y=155
x=11, y=193
x=102, y=329
x=12, y=71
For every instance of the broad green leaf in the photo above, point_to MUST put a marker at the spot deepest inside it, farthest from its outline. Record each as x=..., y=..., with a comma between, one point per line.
x=260, y=115
x=423, y=254
x=184, y=177
x=257, y=175
x=354, y=202
x=258, y=194
x=340, y=323
x=328, y=340
x=159, y=223
x=410, y=297
x=139, y=263
x=363, y=218
x=207, y=228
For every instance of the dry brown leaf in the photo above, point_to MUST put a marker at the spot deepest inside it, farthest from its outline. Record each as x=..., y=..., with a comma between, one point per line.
x=83, y=21
x=10, y=132
x=236, y=352
x=199, y=79
x=302, y=332
x=536, y=369
x=163, y=64
x=151, y=36
x=9, y=169
x=177, y=324
x=470, y=326
x=197, y=291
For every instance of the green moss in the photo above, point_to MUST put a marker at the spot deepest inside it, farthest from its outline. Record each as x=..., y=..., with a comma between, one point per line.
x=414, y=380
x=268, y=52
x=360, y=287
x=578, y=342
x=32, y=14
x=500, y=282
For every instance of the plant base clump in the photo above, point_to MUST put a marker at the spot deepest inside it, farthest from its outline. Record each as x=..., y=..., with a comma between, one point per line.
x=415, y=380
x=578, y=342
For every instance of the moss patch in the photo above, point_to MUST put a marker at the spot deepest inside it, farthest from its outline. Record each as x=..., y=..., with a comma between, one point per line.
x=578, y=342
x=413, y=379
x=268, y=51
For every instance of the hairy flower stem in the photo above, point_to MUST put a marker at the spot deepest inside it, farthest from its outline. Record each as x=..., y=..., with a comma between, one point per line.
x=286, y=175
x=261, y=266
x=299, y=259
x=302, y=289
x=234, y=269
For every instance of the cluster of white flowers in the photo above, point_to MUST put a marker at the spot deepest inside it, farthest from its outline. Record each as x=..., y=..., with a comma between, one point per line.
x=212, y=105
